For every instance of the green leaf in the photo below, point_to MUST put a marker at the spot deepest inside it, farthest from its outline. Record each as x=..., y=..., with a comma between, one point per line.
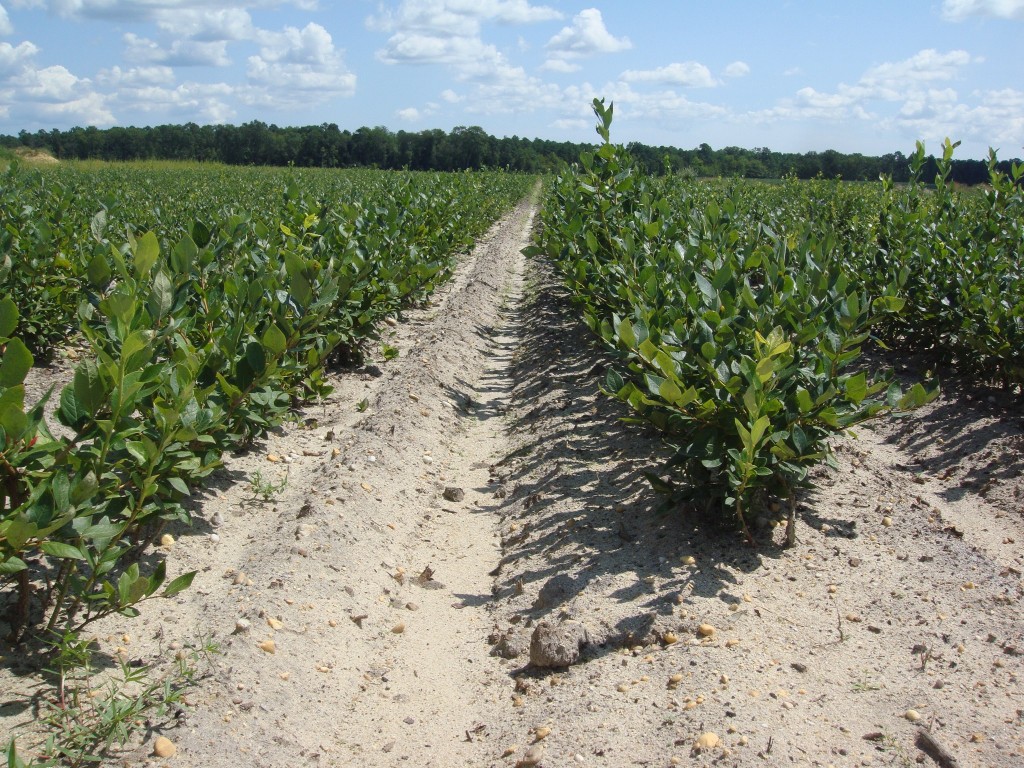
x=98, y=271
x=274, y=341
x=179, y=485
x=758, y=429
x=13, y=420
x=626, y=335
x=8, y=317
x=179, y=584
x=707, y=289
x=804, y=401
x=856, y=388
x=256, y=357
x=89, y=389
x=17, y=362
x=162, y=297
x=18, y=531
x=146, y=254
x=183, y=255
x=11, y=566
x=62, y=550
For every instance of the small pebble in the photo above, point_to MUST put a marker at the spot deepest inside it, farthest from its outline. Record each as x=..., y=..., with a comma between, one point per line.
x=707, y=740
x=705, y=630
x=399, y=628
x=531, y=757
x=167, y=541
x=912, y=715
x=268, y=646
x=164, y=747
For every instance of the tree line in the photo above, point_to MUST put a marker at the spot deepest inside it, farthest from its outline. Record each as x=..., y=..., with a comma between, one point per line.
x=327, y=145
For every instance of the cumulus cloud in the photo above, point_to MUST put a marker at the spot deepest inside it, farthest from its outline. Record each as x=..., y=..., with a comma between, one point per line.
x=46, y=94
x=449, y=33
x=916, y=98
x=586, y=36
x=958, y=10
x=298, y=67
x=691, y=74
x=146, y=10
x=179, y=53
x=206, y=24
x=737, y=69
x=913, y=80
x=6, y=28
x=14, y=57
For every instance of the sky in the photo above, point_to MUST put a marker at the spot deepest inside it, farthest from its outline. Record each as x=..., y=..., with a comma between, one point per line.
x=869, y=76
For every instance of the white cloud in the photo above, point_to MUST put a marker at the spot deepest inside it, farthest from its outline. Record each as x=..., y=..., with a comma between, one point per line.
x=146, y=10
x=206, y=25
x=6, y=28
x=914, y=98
x=737, y=69
x=297, y=67
x=179, y=53
x=927, y=66
x=187, y=102
x=666, y=106
x=958, y=10
x=587, y=36
x=14, y=57
x=910, y=81
x=450, y=96
x=459, y=17
x=688, y=73
x=116, y=77
x=449, y=33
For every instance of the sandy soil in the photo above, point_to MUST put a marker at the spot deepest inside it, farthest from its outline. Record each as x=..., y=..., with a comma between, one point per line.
x=487, y=487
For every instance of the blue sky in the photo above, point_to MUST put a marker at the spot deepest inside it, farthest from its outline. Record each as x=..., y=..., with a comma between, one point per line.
x=801, y=75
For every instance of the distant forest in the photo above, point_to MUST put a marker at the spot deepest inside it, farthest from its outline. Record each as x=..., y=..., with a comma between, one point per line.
x=326, y=145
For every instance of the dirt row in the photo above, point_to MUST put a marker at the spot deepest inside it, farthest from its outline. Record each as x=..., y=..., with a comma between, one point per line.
x=374, y=575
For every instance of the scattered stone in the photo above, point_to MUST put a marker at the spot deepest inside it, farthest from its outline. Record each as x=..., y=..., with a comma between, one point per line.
x=167, y=541
x=451, y=493
x=274, y=623
x=706, y=741
x=268, y=646
x=399, y=628
x=670, y=638
x=887, y=521
x=242, y=626
x=511, y=644
x=798, y=666
x=705, y=630
x=411, y=607
x=557, y=645
x=542, y=733
x=854, y=562
x=531, y=757
x=912, y=715
x=164, y=747
x=239, y=578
